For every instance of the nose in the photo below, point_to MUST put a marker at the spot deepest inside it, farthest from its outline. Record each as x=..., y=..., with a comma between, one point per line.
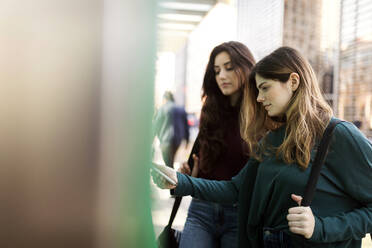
x=260, y=98
x=222, y=74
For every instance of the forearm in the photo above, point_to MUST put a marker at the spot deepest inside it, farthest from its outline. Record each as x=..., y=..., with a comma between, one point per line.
x=210, y=190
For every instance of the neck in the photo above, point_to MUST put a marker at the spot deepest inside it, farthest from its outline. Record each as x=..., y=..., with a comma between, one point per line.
x=234, y=98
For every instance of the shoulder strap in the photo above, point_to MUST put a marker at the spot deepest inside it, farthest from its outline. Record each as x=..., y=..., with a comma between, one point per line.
x=177, y=200
x=318, y=162
x=176, y=205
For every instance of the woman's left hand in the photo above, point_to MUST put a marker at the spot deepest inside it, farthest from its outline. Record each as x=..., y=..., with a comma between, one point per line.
x=301, y=219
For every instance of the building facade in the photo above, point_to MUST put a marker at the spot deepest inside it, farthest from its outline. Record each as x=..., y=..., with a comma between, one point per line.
x=354, y=87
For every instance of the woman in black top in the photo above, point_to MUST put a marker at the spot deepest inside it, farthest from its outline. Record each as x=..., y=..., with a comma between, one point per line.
x=222, y=152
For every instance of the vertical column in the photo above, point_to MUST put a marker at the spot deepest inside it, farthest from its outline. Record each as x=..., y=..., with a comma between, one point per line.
x=127, y=109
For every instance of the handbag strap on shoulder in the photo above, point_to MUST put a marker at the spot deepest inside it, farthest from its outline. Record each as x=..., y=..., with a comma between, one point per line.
x=321, y=154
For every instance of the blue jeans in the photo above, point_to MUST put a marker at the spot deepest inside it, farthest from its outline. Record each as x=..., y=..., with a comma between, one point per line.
x=276, y=239
x=210, y=225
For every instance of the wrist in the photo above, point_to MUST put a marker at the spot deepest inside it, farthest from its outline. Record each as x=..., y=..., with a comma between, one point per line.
x=318, y=230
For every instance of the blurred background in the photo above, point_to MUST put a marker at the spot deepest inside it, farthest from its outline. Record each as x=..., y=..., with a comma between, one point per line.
x=79, y=83
x=335, y=36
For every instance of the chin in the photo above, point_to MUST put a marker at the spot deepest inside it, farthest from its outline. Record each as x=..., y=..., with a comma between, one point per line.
x=272, y=114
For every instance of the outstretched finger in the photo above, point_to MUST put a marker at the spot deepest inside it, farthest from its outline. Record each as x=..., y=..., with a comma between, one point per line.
x=195, y=169
x=196, y=159
x=297, y=199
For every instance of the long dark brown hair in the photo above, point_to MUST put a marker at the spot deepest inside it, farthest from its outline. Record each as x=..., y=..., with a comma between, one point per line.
x=216, y=106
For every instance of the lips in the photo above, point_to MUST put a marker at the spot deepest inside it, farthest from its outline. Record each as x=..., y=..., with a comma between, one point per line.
x=267, y=106
x=226, y=85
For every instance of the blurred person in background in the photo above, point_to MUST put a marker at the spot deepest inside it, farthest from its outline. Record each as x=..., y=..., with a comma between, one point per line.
x=171, y=127
x=283, y=103
x=221, y=153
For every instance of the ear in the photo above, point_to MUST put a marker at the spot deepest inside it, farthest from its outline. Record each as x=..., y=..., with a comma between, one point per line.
x=294, y=79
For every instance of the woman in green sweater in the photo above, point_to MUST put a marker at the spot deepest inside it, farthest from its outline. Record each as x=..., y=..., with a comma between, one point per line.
x=283, y=104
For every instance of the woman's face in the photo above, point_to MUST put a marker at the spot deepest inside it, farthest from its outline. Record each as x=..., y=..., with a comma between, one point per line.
x=274, y=95
x=227, y=79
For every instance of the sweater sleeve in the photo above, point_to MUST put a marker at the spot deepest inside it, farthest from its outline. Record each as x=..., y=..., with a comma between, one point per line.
x=352, y=170
x=211, y=190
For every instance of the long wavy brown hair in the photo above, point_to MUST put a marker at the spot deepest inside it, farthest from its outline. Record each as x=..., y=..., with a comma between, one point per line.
x=216, y=106
x=306, y=117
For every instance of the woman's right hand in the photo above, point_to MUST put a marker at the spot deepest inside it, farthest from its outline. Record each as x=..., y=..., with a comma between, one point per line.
x=160, y=181
x=185, y=168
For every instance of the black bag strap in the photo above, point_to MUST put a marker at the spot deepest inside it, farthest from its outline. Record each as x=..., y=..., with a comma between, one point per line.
x=176, y=205
x=178, y=199
x=321, y=154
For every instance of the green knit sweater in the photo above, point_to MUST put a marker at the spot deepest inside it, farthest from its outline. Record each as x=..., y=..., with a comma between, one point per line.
x=342, y=205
